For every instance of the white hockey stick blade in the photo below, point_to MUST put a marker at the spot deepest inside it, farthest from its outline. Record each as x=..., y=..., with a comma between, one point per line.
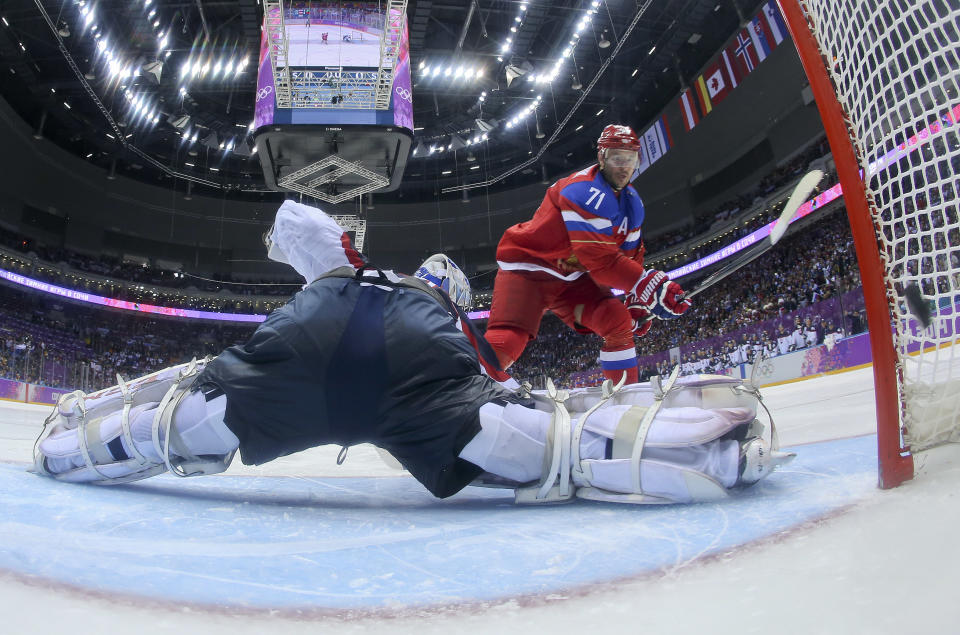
x=797, y=198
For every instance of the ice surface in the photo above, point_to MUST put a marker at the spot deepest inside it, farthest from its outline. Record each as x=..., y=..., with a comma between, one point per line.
x=815, y=548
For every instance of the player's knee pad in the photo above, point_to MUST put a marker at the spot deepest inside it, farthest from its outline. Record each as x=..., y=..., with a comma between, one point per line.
x=128, y=432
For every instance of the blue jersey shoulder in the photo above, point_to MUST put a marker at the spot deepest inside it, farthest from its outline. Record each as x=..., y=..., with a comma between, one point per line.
x=593, y=196
x=636, y=210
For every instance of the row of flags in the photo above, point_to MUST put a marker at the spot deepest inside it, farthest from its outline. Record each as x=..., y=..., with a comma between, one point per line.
x=748, y=48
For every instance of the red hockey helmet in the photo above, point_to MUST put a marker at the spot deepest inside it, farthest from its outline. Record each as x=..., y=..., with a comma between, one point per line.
x=616, y=137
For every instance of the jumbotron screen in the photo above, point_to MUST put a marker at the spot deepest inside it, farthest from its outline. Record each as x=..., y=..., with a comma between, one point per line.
x=336, y=36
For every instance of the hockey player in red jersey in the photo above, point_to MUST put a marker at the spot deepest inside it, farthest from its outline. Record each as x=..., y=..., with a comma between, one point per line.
x=583, y=240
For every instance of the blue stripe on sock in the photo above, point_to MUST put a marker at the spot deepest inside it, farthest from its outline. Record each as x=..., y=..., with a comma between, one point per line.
x=619, y=364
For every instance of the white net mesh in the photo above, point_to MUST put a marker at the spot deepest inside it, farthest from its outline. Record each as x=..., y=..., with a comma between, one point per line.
x=896, y=70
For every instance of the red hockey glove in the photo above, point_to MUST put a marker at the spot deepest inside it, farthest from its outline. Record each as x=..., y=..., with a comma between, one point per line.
x=655, y=292
x=642, y=319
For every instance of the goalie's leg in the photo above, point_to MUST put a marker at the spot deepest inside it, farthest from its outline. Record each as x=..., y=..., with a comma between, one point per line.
x=137, y=429
x=688, y=454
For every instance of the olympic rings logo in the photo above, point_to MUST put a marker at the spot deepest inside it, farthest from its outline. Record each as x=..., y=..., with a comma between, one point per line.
x=264, y=92
x=764, y=368
x=403, y=93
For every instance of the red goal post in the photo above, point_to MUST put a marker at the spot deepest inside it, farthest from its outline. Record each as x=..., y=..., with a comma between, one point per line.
x=884, y=74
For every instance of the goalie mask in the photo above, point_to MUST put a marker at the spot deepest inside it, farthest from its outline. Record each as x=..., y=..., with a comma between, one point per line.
x=440, y=271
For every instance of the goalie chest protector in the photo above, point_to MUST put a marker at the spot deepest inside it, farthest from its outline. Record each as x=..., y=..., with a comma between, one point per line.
x=346, y=362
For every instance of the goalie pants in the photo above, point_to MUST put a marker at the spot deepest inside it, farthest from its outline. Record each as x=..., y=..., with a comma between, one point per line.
x=521, y=298
x=347, y=362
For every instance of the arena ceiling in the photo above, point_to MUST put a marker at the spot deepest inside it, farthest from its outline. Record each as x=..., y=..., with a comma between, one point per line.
x=82, y=74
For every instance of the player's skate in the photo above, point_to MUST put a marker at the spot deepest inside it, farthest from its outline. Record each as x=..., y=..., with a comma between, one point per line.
x=137, y=429
x=758, y=460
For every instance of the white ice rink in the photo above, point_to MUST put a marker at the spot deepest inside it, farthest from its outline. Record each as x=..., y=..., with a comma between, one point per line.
x=855, y=560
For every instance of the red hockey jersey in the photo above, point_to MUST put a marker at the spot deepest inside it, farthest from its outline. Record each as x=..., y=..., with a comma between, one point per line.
x=581, y=224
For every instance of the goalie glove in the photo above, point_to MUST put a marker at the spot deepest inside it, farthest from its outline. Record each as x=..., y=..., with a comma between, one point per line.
x=655, y=292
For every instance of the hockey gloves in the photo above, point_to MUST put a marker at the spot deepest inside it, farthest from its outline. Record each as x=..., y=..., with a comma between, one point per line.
x=656, y=293
x=642, y=319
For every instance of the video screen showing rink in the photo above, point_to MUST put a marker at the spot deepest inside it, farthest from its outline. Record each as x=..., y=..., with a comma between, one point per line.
x=334, y=34
x=324, y=46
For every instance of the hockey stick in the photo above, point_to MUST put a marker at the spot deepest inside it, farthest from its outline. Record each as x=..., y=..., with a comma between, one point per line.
x=797, y=198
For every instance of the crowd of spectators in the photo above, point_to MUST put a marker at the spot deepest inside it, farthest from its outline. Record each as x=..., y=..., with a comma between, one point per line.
x=51, y=342
x=141, y=271
x=140, y=280
x=46, y=340
x=720, y=214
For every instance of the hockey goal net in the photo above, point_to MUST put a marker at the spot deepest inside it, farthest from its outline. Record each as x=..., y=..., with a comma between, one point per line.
x=886, y=77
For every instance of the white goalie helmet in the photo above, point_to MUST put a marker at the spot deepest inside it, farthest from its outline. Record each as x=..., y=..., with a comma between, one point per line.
x=440, y=271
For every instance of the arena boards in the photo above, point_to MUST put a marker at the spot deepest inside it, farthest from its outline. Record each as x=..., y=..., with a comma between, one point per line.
x=383, y=544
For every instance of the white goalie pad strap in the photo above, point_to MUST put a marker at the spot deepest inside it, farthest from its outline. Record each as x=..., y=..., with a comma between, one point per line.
x=555, y=485
x=125, y=421
x=645, y=427
x=607, y=391
x=181, y=461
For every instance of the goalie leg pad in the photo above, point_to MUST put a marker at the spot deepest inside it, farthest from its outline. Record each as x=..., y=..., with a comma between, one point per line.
x=674, y=475
x=698, y=391
x=671, y=427
x=135, y=430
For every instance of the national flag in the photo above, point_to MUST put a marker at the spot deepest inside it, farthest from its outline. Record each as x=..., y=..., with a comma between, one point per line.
x=688, y=109
x=706, y=106
x=759, y=36
x=744, y=52
x=778, y=27
x=656, y=141
x=728, y=65
x=718, y=84
x=644, y=159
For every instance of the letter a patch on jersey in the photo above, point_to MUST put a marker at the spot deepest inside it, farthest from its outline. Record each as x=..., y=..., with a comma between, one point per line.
x=624, y=226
